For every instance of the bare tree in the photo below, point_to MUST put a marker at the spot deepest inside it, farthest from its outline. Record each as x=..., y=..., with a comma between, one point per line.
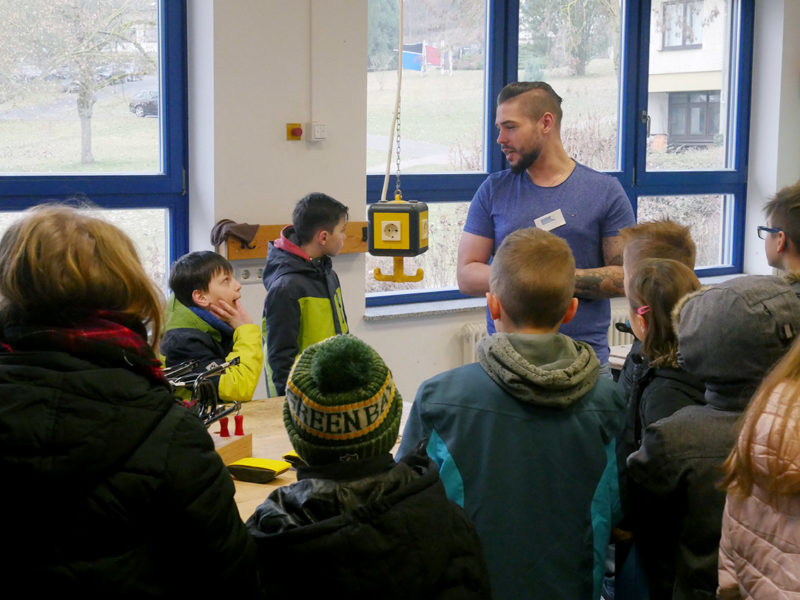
x=81, y=36
x=567, y=33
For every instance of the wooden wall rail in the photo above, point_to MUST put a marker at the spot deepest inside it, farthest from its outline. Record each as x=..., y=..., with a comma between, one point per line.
x=356, y=241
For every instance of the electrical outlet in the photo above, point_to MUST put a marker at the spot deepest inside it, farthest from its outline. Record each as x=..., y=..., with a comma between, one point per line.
x=246, y=272
x=390, y=231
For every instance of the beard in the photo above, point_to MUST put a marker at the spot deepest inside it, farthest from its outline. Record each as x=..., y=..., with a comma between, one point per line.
x=526, y=159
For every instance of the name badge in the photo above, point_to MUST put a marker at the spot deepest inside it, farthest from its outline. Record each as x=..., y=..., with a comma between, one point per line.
x=550, y=221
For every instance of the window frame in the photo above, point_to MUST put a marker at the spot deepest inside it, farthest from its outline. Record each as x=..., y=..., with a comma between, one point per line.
x=501, y=68
x=707, y=107
x=683, y=45
x=166, y=190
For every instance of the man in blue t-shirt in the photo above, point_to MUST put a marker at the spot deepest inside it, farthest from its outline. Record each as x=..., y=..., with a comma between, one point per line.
x=545, y=188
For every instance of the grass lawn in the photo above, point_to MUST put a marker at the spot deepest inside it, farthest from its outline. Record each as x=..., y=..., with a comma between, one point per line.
x=51, y=143
x=434, y=108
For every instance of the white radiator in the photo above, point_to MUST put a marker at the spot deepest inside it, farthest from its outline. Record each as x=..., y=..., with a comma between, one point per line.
x=618, y=338
x=471, y=334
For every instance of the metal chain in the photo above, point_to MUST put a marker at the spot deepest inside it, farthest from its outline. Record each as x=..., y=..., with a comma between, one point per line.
x=398, y=195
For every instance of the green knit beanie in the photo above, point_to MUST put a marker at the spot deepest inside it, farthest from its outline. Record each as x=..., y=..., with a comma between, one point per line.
x=341, y=403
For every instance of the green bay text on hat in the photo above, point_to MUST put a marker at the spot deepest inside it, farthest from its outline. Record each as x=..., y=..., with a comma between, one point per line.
x=341, y=402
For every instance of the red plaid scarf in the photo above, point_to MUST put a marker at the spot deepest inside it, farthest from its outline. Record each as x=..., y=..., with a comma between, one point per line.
x=106, y=338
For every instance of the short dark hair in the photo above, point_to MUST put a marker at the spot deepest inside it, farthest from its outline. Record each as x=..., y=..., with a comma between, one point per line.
x=537, y=104
x=314, y=212
x=783, y=212
x=194, y=271
x=533, y=276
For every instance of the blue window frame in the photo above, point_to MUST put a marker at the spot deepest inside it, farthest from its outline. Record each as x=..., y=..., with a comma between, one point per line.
x=502, y=62
x=164, y=190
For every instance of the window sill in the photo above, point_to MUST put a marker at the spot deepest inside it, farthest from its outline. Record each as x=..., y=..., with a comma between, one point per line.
x=424, y=309
x=719, y=278
x=447, y=307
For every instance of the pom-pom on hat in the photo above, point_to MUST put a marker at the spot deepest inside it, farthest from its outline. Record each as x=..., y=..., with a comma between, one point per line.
x=341, y=402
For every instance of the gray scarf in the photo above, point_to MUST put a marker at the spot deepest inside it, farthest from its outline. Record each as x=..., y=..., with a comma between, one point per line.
x=549, y=370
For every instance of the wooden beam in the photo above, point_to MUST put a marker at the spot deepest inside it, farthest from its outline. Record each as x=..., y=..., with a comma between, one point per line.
x=355, y=242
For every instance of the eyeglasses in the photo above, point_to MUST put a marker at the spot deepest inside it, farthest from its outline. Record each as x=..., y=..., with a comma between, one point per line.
x=763, y=231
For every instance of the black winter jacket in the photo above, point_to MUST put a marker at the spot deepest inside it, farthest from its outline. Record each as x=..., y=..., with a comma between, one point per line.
x=371, y=529
x=110, y=489
x=678, y=468
x=655, y=393
x=303, y=306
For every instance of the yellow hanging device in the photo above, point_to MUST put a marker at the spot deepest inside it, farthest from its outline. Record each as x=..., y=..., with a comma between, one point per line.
x=397, y=228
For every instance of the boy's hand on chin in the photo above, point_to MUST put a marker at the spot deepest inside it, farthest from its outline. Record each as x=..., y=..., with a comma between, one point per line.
x=235, y=315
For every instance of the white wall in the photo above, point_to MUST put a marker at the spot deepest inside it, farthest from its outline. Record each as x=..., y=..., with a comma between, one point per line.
x=774, y=118
x=707, y=58
x=255, y=65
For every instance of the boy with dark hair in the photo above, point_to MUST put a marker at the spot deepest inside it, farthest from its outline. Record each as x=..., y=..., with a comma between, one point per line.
x=364, y=524
x=304, y=299
x=782, y=234
x=207, y=322
x=525, y=437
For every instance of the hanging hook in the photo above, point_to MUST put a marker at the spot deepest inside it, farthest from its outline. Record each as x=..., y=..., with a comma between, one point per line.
x=399, y=273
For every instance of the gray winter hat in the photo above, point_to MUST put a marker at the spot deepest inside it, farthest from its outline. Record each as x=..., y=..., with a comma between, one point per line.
x=734, y=332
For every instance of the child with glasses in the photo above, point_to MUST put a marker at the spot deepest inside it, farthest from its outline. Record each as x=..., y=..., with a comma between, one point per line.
x=782, y=234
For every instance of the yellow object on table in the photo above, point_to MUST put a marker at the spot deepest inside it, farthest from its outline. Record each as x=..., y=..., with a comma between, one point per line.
x=258, y=470
x=263, y=420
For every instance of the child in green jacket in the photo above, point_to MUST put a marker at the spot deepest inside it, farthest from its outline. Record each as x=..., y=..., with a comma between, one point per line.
x=207, y=322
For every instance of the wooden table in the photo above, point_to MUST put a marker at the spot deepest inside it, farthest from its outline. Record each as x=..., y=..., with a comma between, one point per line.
x=264, y=420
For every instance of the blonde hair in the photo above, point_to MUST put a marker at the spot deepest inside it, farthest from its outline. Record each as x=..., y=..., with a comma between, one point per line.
x=533, y=276
x=660, y=284
x=658, y=239
x=781, y=387
x=57, y=258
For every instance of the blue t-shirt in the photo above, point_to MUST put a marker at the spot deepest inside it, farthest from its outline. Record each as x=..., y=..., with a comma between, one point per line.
x=594, y=206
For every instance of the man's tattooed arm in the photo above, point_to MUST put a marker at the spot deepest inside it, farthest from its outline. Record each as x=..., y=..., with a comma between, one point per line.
x=603, y=282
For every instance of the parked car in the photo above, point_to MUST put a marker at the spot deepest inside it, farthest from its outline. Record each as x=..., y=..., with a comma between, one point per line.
x=110, y=73
x=132, y=73
x=70, y=86
x=144, y=103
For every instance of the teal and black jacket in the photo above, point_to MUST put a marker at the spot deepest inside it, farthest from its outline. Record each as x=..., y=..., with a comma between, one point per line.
x=525, y=442
x=303, y=306
x=196, y=334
